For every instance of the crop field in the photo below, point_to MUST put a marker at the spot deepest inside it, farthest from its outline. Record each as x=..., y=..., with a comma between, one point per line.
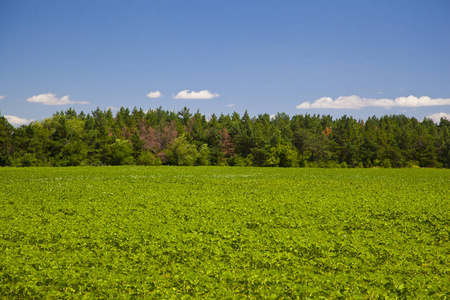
x=224, y=233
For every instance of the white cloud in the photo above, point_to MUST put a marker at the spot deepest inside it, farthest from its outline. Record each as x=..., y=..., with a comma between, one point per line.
x=18, y=121
x=51, y=99
x=2, y=97
x=195, y=95
x=437, y=116
x=230, y=105
x=272, y=117
x=154, y=95
x=112, y=108
x=356, y=102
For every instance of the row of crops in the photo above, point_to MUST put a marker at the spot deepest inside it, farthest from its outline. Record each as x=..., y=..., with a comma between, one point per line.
x=218, y=232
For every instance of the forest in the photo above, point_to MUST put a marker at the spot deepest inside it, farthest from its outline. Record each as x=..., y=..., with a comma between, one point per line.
x=161, y=137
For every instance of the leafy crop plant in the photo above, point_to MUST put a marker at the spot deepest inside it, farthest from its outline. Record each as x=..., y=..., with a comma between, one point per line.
x=224, y=233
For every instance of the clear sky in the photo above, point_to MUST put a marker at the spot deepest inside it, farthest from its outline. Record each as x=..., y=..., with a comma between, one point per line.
x=359, y=58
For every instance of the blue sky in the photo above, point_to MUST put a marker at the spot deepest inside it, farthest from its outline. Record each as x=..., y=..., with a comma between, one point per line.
x=358, y=58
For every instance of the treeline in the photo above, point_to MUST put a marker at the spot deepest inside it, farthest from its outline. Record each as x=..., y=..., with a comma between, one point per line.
x=159, y=137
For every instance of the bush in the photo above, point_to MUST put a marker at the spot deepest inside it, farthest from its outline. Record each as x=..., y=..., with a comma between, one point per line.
x=239, y=161
x=120, y=153
x=386, y=163
x=203, y=159
x=182, y=153
x=147, y=158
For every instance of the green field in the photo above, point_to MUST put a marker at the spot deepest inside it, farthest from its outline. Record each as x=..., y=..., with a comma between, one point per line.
x=221, y=232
